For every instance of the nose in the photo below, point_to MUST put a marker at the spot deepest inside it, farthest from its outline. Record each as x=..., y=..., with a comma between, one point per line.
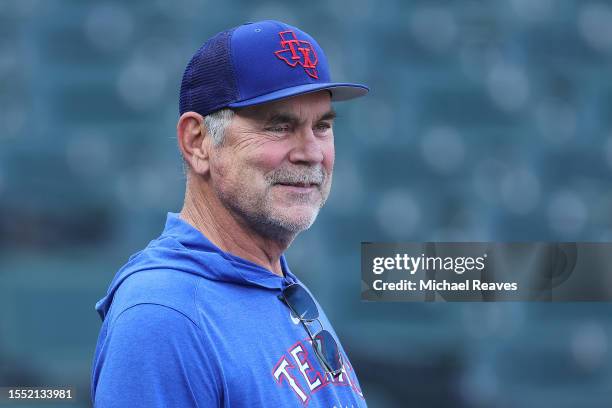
x=307, y=149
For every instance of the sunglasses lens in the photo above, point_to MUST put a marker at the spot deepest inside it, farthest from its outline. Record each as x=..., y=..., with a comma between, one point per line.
x=328, y=350
x=301, y=302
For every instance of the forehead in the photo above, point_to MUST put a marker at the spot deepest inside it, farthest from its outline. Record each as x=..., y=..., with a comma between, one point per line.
x=307, y=106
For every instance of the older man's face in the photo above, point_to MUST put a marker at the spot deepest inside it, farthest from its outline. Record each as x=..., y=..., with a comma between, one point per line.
x=274, y=168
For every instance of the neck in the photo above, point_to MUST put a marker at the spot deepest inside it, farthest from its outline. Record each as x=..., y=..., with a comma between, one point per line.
x=204, y=212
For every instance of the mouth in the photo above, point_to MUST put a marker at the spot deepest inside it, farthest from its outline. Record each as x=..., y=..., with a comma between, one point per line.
x=301, y=187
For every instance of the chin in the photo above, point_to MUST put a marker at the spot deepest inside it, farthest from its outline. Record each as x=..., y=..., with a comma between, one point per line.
x=297, y=219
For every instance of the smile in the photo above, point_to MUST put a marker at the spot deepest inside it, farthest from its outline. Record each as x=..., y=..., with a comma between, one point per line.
x=299, y=187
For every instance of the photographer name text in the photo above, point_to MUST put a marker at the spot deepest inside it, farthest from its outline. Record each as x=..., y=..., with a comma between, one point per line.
x=423, y=263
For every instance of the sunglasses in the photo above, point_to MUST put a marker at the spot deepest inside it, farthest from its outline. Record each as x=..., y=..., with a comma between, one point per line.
x=303, y=307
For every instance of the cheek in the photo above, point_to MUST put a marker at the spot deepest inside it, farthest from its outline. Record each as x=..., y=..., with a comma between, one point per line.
x=329, y=155
x=268, y=158
x=217, y=167
x=227, y=171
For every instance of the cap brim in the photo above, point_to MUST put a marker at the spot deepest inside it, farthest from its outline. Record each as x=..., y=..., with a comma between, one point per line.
x=340, y=92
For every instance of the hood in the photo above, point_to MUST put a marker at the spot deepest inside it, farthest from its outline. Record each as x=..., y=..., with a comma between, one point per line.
x=183, y=248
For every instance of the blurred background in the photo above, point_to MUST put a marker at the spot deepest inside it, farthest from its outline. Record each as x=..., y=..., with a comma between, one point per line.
x=487, y=120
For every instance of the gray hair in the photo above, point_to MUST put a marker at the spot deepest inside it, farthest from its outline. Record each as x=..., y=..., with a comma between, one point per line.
x=216, y=124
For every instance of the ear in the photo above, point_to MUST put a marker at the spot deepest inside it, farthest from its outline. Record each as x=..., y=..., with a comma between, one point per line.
x=192, y=140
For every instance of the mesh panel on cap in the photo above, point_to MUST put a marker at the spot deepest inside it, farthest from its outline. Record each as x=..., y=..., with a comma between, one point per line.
x=209, y=83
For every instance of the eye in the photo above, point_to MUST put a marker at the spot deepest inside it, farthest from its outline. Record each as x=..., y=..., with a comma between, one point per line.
x=278, y=128
x=323, y=126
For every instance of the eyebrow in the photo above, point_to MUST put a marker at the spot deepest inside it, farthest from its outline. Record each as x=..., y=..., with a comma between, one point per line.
x=288, y=117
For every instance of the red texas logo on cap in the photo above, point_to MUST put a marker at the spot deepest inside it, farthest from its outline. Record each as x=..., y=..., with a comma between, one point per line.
x=296, y=52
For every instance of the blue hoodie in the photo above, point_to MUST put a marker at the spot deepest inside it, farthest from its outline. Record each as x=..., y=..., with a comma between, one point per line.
x=188, y=325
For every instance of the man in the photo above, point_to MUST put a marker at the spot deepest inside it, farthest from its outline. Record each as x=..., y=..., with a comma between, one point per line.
x=209, y=314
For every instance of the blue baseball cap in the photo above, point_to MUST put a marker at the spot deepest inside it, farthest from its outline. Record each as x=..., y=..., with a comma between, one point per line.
x=257, y=63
